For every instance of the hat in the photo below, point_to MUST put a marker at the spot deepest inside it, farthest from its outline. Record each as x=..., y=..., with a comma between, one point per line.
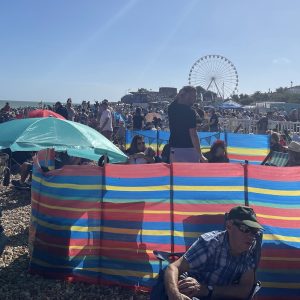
x=244, y=214
x=294, y=146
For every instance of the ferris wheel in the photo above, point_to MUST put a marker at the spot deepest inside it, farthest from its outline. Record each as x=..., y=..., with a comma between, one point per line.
x=215, y=73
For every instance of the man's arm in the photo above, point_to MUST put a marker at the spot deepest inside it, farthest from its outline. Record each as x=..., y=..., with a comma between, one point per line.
x=196, y=143
x=236, y=291
x=171, y=278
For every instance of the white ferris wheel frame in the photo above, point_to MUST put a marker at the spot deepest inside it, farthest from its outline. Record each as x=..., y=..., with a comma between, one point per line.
x=215, y=73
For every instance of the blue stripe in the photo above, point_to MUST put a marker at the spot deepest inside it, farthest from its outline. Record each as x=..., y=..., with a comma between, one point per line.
x=65, y=221
x=198, y=197
x=293, y=277
x=117, y=264
x=273, y=199
x=254, y=141
x=163, y=239
x=274, y=185
x=210, y=181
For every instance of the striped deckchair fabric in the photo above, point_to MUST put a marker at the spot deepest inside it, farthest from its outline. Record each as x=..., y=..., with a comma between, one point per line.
x=240, y=147
x=274, y=193
x=101, y=225
x=277, y=159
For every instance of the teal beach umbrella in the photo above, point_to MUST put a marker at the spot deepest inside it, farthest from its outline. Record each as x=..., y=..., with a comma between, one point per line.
x=62, y=135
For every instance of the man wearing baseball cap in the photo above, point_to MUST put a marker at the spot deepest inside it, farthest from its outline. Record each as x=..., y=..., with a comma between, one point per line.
x=220, y=264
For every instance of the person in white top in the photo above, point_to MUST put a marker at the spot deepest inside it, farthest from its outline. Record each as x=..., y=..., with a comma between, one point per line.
x=106, y=127
x=70, y=110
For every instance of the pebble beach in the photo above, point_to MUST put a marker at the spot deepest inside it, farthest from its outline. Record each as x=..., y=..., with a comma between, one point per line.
x=17, y=283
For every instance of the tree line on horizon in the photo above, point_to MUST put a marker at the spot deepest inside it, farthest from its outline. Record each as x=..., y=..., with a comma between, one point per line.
x=280, y=95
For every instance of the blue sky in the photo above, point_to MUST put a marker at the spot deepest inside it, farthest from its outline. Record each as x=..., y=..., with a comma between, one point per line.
x=96, y=49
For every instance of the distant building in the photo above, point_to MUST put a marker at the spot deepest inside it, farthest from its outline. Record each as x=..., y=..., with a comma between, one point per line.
x=294, y=89
x=146, y=96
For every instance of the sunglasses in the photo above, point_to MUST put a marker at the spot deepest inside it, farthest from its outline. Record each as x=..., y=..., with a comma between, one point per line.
x=246, y=229
x=141, y=143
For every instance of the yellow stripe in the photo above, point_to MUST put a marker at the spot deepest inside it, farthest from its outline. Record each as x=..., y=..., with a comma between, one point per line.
x=277, y=237
x=137, y=188
x=208, y=188
x=247, y=151
x=117, y=272
x=274, y=192
x=279, y=217
x=68, y=185
x=65, y=208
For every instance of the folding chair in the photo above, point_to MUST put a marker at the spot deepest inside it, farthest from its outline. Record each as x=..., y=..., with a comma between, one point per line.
x=171, y=257
x=276, y=159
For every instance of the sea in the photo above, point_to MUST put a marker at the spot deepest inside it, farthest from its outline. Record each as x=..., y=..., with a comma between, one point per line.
x=17, y=104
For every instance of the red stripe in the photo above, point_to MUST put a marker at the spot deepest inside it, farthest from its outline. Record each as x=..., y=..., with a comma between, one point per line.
x=214, y=170
x=275, y=211
x=275, y=265
x=246, y=157
x=137, y=171
x=277, y=252
x=107, y=243
x=289, y=174
x=75, y=171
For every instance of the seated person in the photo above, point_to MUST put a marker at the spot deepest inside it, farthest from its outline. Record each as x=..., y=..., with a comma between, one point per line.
x=275, y=142
x=138, y=153
x=217, y=153
x=165, y=154
x=294, y=154
x=22, y=164
x=220, y=264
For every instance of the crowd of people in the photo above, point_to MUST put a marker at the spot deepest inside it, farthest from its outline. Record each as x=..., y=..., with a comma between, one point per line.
x=234, y=252
x=183, y=118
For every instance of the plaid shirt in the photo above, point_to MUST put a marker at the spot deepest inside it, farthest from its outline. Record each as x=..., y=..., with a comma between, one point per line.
x=211, y=263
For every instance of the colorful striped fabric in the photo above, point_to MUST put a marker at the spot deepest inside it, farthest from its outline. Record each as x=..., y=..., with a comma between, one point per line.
x=101, y=225
x=240, y=147
x=274, y=193
x=251, y=147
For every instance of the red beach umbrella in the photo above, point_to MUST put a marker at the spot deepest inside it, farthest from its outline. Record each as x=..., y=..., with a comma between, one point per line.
x=44, y=113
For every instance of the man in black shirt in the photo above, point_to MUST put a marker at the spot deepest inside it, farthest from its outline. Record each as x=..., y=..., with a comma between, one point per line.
x=138, y=119
x=214, y=121
x=184, y=140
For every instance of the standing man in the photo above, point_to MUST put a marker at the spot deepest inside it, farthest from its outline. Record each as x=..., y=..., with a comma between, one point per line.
x=184, y=140
x=213, y=121
x=70, y=110
x=106, y=127
x=138, y=119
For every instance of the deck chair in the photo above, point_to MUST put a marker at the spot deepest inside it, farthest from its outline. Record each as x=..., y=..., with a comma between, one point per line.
x=171, y=257
x=276, y=159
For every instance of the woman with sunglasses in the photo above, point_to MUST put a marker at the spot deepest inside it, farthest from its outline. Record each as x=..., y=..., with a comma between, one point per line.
x=138, y=153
